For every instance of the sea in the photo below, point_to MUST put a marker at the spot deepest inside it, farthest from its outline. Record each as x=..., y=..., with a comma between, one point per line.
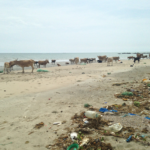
x=60, y=57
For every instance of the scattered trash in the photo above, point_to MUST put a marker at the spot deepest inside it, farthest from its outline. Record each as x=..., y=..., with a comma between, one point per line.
x=73, y=136
x=115, y=127
x=84, y=141
x=38, y=126
x=87, y=105
x=137, y=104
x=92, y=114
x=147, y=118
x=144, y=112
x=118, y=84
x=83, y=72
x=109, y=73
x=125, y=99
x=57, y=123
x=74, y=146
x=127, y=94
x=106, y=110
x=129, y=139
x=40, y=70
x=1, y=71
x=85, y=120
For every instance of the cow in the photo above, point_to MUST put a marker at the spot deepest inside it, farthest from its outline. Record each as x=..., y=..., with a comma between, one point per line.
x=144, y=56
x=149, y=55
x=67, y=63
x=7, y=67
x=71, y=61
x=43, y=63
x=36, y=63
x=110, y=60
x=58, y=65
x=131, y=57
x=99, y=61
x=85, y=60
x=103, y=58
x=53, y=61
x=116, y=58
x=12, y=64
x=137, y=59
x=76, y=60
x=24, y=63
x=139, y=55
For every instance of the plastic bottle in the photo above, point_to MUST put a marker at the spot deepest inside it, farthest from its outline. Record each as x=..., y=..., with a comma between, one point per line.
x=92, y=114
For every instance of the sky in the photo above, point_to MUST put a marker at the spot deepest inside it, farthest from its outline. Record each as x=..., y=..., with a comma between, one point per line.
x=74, y=26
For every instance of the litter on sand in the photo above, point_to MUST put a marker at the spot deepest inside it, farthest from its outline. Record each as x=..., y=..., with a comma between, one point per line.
x=41, y=70
x=39, y=125
x=106, y=110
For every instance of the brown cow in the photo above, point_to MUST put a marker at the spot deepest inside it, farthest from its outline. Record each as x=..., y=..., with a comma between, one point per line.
x=43, y=63
x=58, y=65
x=144, y=56
x=131, y=57
x=67, y=63
x=116, y=58
x=76, y=59
x=71, y=61
x=85, y=60
x=102, y=58
x=139, y=55
x=24, y=63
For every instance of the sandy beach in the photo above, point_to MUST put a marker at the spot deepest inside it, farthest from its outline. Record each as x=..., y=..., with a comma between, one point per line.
x=55, y=96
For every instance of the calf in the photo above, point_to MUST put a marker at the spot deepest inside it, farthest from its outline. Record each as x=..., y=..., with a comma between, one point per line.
x=67, y=63
x=53, y=61
x=110, y=60
x=58, y=65
x=137, y=59
x=99, y=61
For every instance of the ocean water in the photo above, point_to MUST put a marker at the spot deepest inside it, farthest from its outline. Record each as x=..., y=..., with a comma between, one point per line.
x=6, y=57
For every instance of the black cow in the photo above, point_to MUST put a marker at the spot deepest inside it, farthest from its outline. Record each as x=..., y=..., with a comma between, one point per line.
x=136, y=59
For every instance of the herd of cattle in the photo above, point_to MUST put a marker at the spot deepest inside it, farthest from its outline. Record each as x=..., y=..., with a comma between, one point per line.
x=26, y=63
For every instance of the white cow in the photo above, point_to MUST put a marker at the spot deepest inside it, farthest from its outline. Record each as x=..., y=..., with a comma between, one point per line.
x=6, y=67
x=110, y=60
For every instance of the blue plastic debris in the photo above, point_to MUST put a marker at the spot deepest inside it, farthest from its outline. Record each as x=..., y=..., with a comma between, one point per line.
x=106, y=110
x=129, y=139
x=147, y=118
x=132, y=114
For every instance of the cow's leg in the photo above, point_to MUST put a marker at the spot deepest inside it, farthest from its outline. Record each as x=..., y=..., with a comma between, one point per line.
x=22, y=69
x=32, y=68
x=4, y=70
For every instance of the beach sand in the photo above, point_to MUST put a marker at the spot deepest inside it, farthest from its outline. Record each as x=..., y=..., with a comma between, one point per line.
x=30, y=98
